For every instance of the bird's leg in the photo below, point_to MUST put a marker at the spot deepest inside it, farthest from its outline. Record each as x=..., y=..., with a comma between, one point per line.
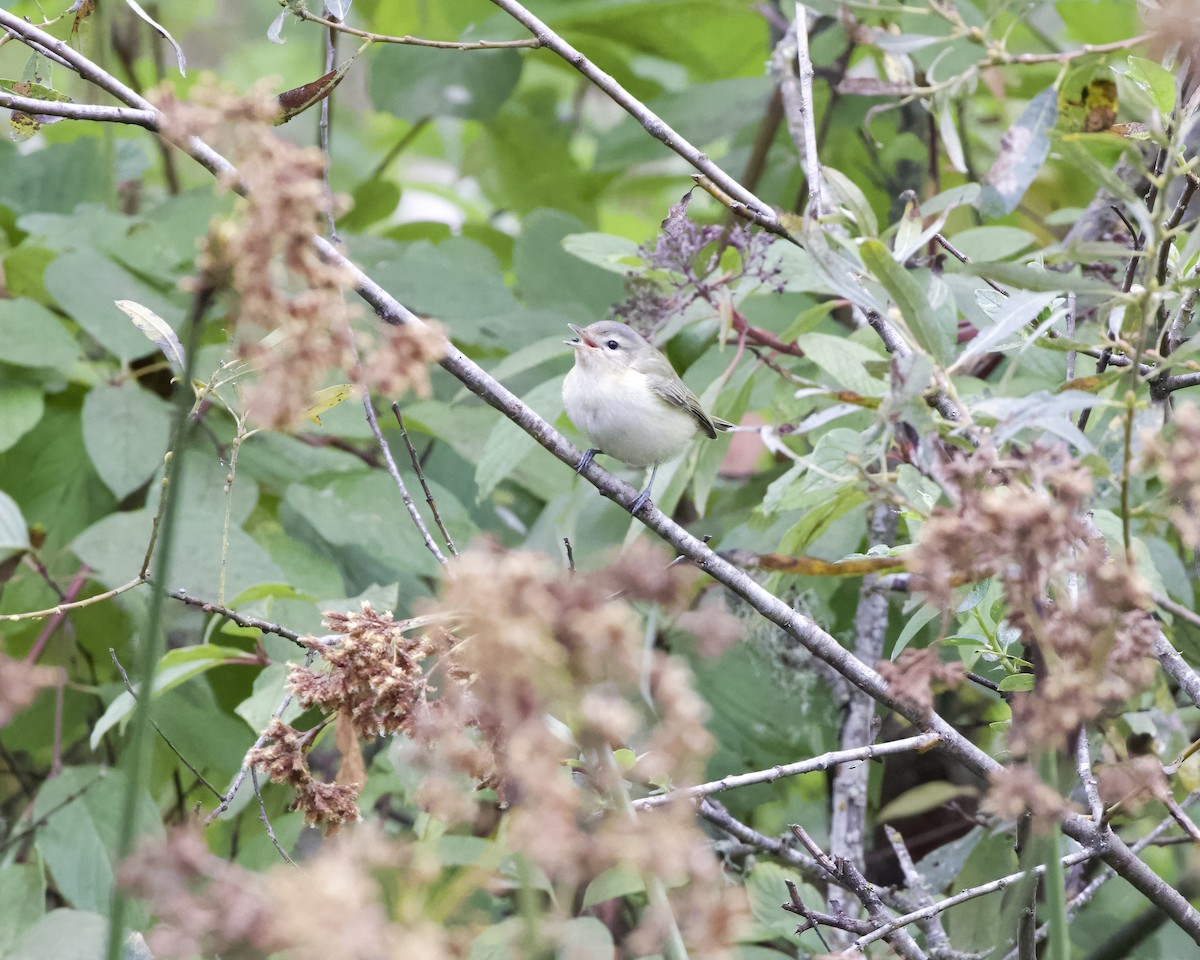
x=644, y=496
x=586, y=459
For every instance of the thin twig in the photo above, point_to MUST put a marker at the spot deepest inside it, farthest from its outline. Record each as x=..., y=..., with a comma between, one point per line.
x=823, y=762
x=74, y=604
x=935, y=933
x=241, y=619
x=399, y=481
x=416, y=462
x=570, y=555
x=847, y=873
x=167, y=740
x=262, y=815
x=971, y=893
x=408, y=40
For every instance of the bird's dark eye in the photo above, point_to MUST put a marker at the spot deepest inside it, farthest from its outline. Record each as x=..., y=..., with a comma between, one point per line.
x=612, y=344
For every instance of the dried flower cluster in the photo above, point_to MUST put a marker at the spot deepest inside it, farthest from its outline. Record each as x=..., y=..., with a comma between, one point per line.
x=1177, y=464
x=540, y=643
x=1022, y=520
x=915, y=672
x=534, y=693
x=1017, y=790
x=205, y=905
x=284, y=759
x=292, y=313
x=373, y=680
x=689, y=254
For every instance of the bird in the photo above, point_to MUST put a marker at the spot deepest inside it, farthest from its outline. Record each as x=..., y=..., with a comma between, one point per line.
x=628, y=399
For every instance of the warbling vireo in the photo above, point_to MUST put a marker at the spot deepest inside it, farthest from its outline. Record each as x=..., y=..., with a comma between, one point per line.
x=629, y=400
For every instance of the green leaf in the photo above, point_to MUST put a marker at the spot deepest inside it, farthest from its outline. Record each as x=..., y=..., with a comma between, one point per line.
x=175, y=667
x=585, y=938
x=1019, y=276
x=852, y=200
x=1023, y=150
x=1156, y=80
x=126, y=432
x=35, y=337
x=63, y=934
x=766, y=889
x=82, y=808
x=921, y=799
x=86, y=285
x=1016, y=683
x=509, y=446
x=426, y=82
x=611, y=884
x=930, y=319
x=14, y=532
x=604, y=250
x=842, y=362
x=22, y=901
x=21, y=408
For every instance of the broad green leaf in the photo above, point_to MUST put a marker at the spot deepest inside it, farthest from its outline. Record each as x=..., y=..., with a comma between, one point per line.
x=82, y=808
x=14, y=532
x=852, y=200
x=86, y=285
x=766, y=889
x=21, y=408
x=126, y=432
x=1016, y=313
x=604, y=250
x=22, y=901
x=64, y=934
x=1023, y=150
x=613, y=883
x=508, y=445
x=841, y=361
x=930, y=319
x=174, y=667
x=993, y=242
x=1018, y=276
x=585, y=938
x=35, y=337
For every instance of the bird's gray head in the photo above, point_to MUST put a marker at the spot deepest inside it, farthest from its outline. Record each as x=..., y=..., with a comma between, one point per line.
x=609, y=342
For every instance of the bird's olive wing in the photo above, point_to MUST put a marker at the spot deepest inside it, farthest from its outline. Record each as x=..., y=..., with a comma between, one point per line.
x=675, y=392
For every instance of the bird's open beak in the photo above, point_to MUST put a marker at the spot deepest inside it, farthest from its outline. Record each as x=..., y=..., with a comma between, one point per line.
x=581, y=338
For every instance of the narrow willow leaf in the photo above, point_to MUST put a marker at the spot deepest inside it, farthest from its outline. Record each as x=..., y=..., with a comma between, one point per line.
x=157, y=331
x=1023, y=150
x=933, y=329
x=162, y=32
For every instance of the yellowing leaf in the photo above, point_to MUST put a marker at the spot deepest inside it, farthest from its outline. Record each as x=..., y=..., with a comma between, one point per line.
x=327, y=399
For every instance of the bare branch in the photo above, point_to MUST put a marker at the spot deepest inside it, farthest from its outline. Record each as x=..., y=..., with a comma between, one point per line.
x=822, y=762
